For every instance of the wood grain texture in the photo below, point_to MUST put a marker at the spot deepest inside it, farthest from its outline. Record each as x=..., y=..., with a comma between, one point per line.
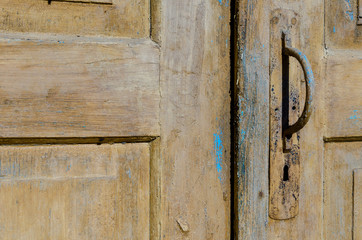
x=75, y=192
x=195, y=119
x=78, y=87
x=252, y=111
x=341, y=159
x=357, y=204
x=124, y=18
x=344, y=93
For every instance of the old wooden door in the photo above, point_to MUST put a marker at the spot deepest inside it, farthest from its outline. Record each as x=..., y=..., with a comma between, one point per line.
x=325, y=201
x=114, y=119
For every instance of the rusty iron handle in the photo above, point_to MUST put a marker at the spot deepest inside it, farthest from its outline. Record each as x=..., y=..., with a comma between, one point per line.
x=309, y=84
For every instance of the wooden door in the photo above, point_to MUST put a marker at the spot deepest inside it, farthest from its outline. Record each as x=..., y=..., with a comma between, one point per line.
x=114, y=119
x=329, y=199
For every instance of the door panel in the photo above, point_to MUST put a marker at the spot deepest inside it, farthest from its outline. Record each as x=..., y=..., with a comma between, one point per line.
x=342, y=195
x=75, y=191
x=78, y=87
x=121, y=18
x=344, y=94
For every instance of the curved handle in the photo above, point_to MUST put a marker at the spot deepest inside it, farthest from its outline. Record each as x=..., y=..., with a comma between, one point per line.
x=309, y=84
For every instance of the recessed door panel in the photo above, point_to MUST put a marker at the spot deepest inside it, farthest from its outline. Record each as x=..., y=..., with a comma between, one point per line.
x=75, y=191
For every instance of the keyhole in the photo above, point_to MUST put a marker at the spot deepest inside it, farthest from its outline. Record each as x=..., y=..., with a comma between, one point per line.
x=286, y=173
x=49, y=2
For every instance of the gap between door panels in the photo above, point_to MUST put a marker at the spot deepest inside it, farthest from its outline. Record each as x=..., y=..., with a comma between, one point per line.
x=234, y=118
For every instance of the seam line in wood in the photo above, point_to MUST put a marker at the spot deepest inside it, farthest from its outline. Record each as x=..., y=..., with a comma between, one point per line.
x=75, y=140
x=343, y=139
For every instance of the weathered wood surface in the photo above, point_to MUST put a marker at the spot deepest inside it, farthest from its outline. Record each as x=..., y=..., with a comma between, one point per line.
x=341, y=159
x=78, y=87
x=75, y=192
x=195, y=119
x=253, y=80
x=72, y=87
x=252, y=120
x=344, y=94
x=357, y=204
x=284, y=154
x=341, y=28
x=124, y=18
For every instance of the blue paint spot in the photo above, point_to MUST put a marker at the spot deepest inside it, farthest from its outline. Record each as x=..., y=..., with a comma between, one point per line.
x=129, y=173
x=354, y=116
x=350, y=14
x=220, y=1
x=242, y=136
x=334, y=29
x=218, y=148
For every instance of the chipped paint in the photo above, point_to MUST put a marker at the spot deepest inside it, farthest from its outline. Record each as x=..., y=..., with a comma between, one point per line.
x=226, y=4
x=349, y=11
x=218, y=148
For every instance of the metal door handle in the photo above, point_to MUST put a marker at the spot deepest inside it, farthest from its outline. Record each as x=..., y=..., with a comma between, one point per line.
x=309, y=84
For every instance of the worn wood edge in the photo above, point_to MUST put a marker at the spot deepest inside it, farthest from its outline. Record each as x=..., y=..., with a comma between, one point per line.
x=155, y=23
x=155, y=189
x=75, y=140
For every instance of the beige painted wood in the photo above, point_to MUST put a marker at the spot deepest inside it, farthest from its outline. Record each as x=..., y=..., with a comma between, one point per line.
x=75, y=191
x=78, y=87
x=357, y=204
x=124, y=18
x=195, y=119
x=344, y=93
x=341, y=160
